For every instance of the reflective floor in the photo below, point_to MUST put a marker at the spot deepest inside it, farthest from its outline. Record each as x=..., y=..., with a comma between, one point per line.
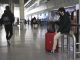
x=28, y=43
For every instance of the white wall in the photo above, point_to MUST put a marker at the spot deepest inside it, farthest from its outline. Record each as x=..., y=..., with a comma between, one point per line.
x=54, y=4
x=16, y=12
x=40, y=8
x=2, y=8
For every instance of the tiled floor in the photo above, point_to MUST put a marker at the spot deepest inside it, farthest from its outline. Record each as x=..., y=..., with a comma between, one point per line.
x=27, y=44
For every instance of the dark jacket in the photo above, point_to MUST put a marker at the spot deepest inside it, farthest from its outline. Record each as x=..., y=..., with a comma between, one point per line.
x=64, y=23
x=10, y=15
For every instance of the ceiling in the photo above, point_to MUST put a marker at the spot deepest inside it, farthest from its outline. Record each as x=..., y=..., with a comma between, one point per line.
x=7, y=1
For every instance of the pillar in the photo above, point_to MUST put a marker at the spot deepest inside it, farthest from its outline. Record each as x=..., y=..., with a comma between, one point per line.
x=11, y=4
x=79, y=21
x=79, y=11
x=21, y=4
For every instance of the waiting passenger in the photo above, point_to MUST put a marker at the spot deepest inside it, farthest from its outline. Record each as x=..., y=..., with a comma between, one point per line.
x=64, y=24
x=33, y=21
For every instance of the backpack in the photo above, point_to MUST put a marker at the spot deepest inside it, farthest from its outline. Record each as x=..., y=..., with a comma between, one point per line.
x=6, y=20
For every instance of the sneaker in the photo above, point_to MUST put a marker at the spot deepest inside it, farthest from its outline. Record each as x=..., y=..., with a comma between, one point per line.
x=52, y=51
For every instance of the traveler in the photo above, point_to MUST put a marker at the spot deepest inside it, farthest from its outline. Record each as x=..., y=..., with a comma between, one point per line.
x=8, y=20
x=64, y=26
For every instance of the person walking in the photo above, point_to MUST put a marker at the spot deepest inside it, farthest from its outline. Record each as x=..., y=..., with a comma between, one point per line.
x=8, y=20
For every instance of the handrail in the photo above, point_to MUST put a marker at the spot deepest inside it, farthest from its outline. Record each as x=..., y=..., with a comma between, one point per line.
x=75, y=25
x=74, y=44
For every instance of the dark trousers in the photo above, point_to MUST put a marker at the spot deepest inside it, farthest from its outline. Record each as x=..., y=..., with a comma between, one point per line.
x=9, y=31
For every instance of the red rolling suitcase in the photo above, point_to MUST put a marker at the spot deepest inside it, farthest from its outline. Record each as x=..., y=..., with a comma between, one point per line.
x=49, y=41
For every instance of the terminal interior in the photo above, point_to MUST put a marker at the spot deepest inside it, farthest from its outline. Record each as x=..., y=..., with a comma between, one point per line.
x=28, y=41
